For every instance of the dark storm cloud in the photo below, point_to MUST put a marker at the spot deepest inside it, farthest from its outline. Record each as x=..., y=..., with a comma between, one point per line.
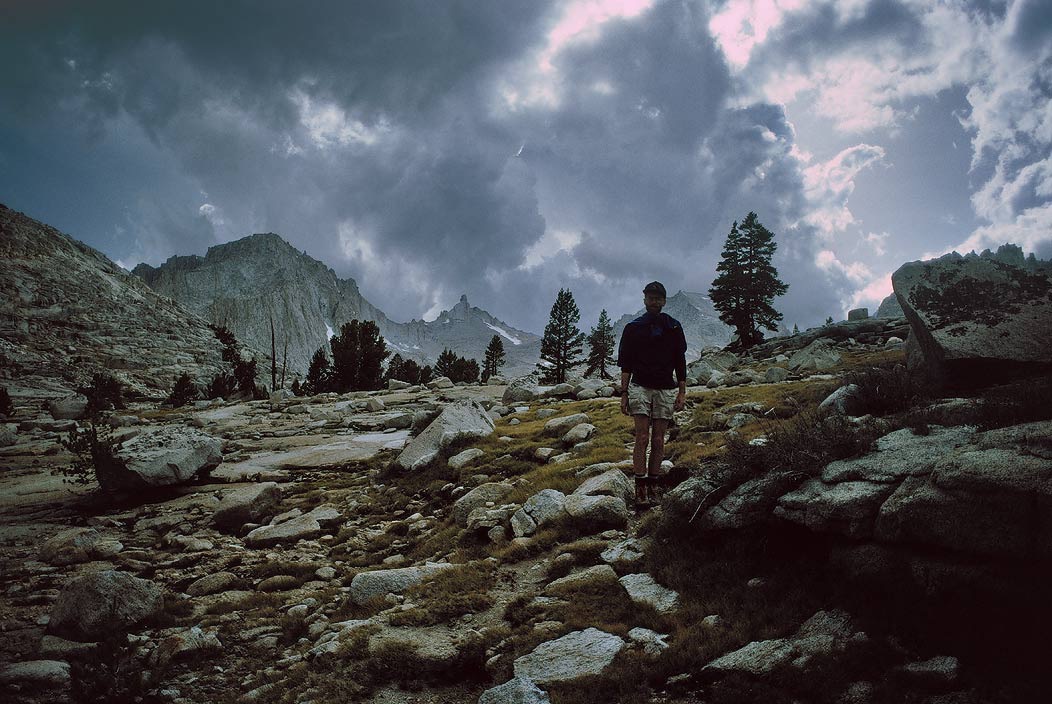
x=373, y=136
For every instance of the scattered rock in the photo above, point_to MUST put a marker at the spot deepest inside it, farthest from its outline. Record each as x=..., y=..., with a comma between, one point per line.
x=461, y=459
x=591, y=576
x=844, y=401
x=560, y=426
x=613, y=482
x=479, y=497
x=575, y=655
x=642, y=589
x=579, y=433
x=69, y=408
x=457, y=420
x=212, y=584
x=37, y=674
x=99, y=604
x=521, y=389
x=515, y=691
x=78, y=545
x=249, y=504
x=379, y=583
x=161, y=457
x=817, y=356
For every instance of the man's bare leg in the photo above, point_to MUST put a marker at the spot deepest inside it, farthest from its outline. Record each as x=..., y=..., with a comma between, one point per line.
x=639, y=456
x=657, y=452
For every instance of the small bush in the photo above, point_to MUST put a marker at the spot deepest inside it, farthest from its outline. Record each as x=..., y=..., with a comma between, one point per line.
x=883, y=391
x=805, y=444
x=103, y=394
x=183, y=392
x=1019, y=402
x=111, y=675
x=93, y=454
x=6, y=407
x=451, y=593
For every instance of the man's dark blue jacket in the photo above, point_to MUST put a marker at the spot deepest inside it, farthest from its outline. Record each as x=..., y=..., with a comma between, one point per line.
x=651, y=348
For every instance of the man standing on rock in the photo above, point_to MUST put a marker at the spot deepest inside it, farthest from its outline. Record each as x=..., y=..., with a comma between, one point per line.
x=652, y=347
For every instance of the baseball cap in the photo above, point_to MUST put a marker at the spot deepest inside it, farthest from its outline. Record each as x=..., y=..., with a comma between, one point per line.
x=655, y=287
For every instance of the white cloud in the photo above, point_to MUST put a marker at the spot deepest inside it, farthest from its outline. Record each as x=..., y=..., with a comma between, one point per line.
x=327, y=124
x=870, y=296
x=878, y=242
x=856, y=272
x=552, y=243
x=743, y=24
x=828, y=186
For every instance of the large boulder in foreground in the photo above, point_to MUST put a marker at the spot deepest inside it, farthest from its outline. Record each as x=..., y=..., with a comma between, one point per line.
x=977, y=314
x=161, y=457
x=457, y=420
x=104, y=603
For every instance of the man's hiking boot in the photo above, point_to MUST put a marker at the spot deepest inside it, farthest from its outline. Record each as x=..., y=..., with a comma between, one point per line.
x=642, y=500
x=651, y=490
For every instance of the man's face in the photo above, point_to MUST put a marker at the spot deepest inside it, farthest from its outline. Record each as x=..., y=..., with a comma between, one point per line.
x=653, y=302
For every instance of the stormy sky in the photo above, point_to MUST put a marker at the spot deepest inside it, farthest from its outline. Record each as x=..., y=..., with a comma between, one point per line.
x=505, y=149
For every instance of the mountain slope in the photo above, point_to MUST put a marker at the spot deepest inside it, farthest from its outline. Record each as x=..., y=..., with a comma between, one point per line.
x=69, y=312
x=250, y=282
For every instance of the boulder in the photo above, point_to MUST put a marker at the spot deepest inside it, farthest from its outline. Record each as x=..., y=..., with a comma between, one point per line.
x=302, y=527
x=849, y=508
x=479, y=497
x=375, y=404
x=817, y=356
x=366, y=586
x=397, y=384
x=560, y=426
x=105, y=603
x=515, y=691
x=575, y=655
x=164, y=456
x=579, y=433
x=78, y=545
x=748, y=504
x=185, y=644
x=460, y=459
x=776, y=374
x=593, y=514
x=844, y=401
x=8, y=437
x=212, y=584
x=38, y=674
x=596, y=575
x=521, y=389
x=249, y=504
x=899, y=454
x=625, y=554
x=977, y=315
x=612, y=482
x=652, y=642
x=463, y=419
x=642, y=589
x=442, y=382
x=69, y=408
x=858, y=314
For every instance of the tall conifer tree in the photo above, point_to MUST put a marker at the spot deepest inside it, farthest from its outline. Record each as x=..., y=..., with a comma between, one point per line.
x=494, y=359
x=601, y=348
x=747, y=282
x=562, y=342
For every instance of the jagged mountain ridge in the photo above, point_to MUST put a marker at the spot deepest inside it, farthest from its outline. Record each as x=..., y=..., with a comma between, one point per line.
x=68, y=312
x=246, y=283
x=701, y=322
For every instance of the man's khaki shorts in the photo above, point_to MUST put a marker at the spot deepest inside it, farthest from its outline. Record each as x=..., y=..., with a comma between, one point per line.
x=654, y=403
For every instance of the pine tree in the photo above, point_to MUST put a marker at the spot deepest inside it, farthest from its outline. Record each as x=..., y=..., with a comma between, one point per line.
x=358, y=354
x=445, y=364
x=318, y=374
x=562, y=341
x=829, y=320
x=746, y=282
x=466, y=370
x=183, y=392
x=601, y=348
x=494, y=358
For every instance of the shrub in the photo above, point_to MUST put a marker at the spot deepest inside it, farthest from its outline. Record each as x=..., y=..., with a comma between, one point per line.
x=112, y=674
x=103, y=393
x=93, y=454
x=183, y=392
x=805, y=443
x=6, y=407
x=1019, y=402
x=883, y=391
x=454, y=592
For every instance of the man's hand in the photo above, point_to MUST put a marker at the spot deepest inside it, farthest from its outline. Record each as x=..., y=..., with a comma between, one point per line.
x=624, y=404
x=681, y=401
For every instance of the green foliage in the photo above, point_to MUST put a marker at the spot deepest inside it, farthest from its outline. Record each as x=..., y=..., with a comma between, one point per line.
x=562, y=342
x=318, y=374
x=456, y=368
x=242, y=376
x=747, y=282
x=829, y=320
x=93, y=454
x=296, y=389
x=358, y=354
x=883, y=391
x=183, y=392
x=494, y=359
x=600, y=348
x=459, y=590
x=103, y=394
x=111, y=674
x=6, y=407
x=408, y=370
